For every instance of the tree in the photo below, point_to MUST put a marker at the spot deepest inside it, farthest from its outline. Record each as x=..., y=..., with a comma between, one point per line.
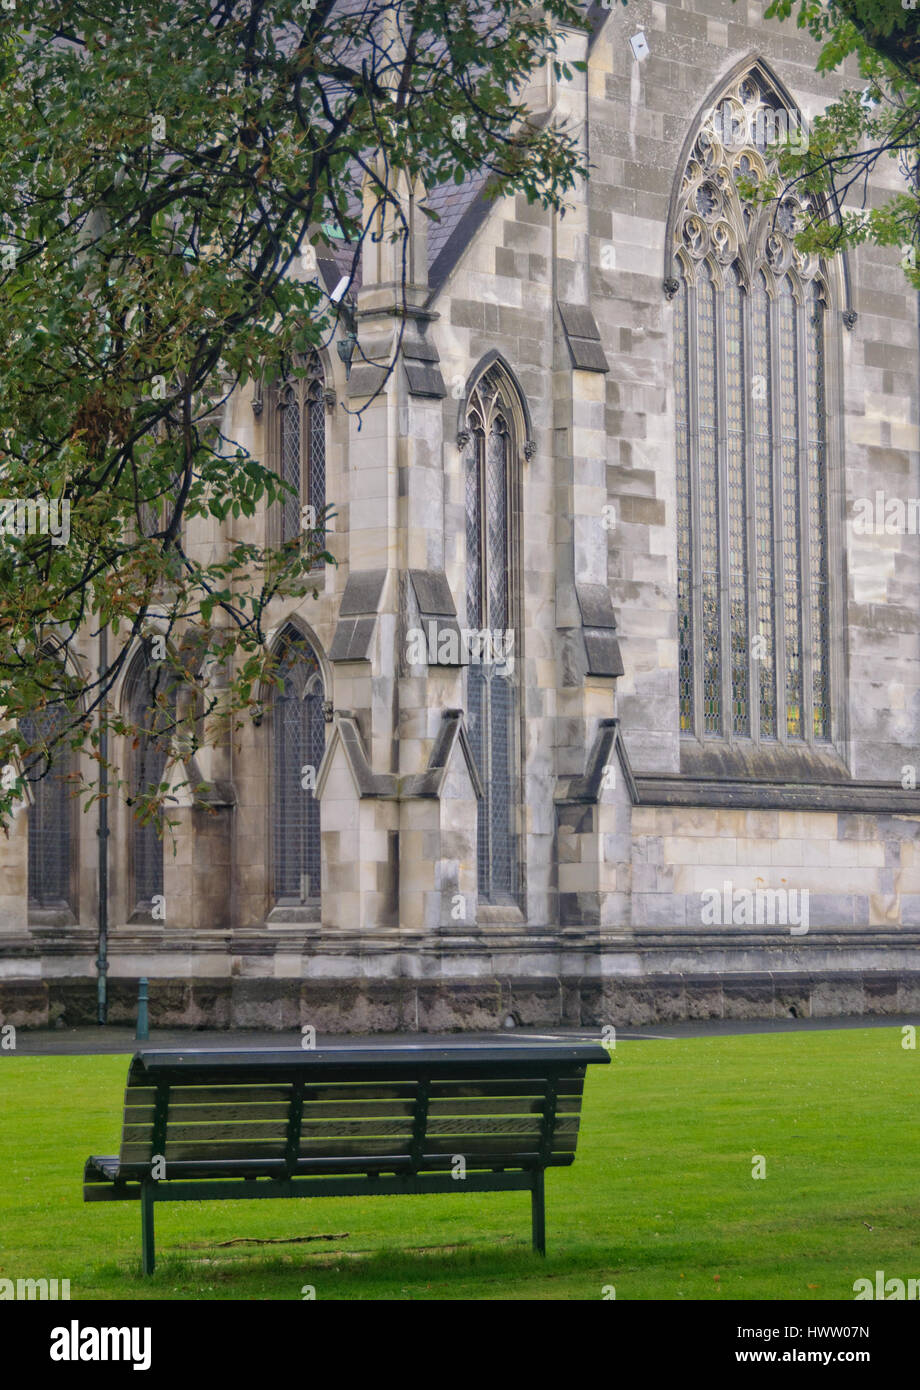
x=162, y=169
x=875, y=120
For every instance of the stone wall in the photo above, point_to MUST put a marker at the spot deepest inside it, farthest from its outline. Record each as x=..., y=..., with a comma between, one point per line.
x=625, y=851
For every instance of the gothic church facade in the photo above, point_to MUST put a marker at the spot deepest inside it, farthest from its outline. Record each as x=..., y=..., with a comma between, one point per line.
x=608, y=710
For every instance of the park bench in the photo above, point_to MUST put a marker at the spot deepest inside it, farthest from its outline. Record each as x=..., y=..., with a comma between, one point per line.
x=343, y=1122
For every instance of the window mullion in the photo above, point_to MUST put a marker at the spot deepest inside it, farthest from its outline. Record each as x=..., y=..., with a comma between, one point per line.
x=693, y=453
x=805, y=539
x=306, y=446
x=750, y=519
x=725, y=579
x=779, y=573
x=686, y=695
x=486, y=623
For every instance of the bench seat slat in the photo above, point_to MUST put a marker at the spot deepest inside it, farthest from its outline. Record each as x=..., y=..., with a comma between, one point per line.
x=481, y=1125
x=316, y=1130
x=370, y=1146
x=492, y=1143
x=140, y=1095
x=200, y=1114
x=484, y=1089
x=513, y=1125
x=139, y=1114
x=456, y=1144
x=334, y=1129
x=101, y=1169
x=388, y=1109
x=359, y=1110
x=363, y=1163
x=256, y=1148
x=361, y=1147
x=221, y=1095
x=358, y=1090
x=501, y=1105
x=497, y=1124
x=260, y=1129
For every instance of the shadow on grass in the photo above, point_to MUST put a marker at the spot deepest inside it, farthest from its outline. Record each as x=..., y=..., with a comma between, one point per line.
x=455, y=1270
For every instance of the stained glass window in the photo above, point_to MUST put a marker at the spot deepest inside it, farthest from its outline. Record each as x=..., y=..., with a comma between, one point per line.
x=750, y=420
x=492, y=684
x=289, y=411
x=150, y=701
x=708, y=466
x=299, y=743
x=684, y=523
x=817, y=508
x=301, y=411
x=47, y=770
x=737, y=499
x=792, y=548
x=762, y=452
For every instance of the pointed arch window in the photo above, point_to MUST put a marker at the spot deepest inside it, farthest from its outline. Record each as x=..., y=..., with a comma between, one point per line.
x=490, y=453
x=301, y=447
x=299, y=743
x=752, y=478
x=150, y=706
x=49, y=771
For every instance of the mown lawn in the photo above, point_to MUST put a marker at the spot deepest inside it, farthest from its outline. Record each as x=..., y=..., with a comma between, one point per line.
x=660, y=1202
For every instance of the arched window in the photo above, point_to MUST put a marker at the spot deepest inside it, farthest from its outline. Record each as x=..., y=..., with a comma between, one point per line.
x=301, y=445
x=48, y=769
x=749, y=335
x=490, y=455
x=149, y=704
x=299, y=742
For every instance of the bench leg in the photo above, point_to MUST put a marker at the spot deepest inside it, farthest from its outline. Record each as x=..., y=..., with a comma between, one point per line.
x=538, y=1213
x=147, y=1247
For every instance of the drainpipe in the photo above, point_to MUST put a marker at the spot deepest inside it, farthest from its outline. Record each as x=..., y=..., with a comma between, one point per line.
x=102, y=963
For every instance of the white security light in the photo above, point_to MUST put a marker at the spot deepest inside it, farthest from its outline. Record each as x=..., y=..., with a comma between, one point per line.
x=639, y=45
x=339, y=292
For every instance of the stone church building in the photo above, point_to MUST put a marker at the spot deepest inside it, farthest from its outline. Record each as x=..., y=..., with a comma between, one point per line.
x=670, y=466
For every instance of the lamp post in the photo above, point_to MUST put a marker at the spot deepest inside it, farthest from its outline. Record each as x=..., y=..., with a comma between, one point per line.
x=102, y=962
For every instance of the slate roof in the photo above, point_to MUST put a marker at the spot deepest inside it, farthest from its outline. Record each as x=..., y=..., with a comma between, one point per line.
x=461, y=208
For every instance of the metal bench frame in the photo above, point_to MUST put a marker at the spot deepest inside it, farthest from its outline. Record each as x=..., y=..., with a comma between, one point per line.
x=519, y=1167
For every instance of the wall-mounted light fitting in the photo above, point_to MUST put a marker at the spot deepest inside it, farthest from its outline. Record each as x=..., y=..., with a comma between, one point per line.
x=639, y=45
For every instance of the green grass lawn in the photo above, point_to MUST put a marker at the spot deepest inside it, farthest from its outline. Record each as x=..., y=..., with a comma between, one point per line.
x=660, y=1202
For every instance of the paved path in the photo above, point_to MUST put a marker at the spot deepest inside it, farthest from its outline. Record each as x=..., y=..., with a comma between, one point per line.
x=119, y=1038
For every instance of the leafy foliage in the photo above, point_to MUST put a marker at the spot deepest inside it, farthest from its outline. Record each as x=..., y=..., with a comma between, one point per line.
x=162, y=169
x=878, y=40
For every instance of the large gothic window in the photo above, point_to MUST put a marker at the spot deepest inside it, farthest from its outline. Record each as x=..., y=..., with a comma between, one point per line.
x=149, y=703
x=299, y=743
x=301, y=445
x=749, y=333
x=489, y=462
x=49, y=772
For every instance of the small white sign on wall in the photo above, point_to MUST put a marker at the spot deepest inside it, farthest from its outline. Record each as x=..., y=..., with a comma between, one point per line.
x=639, y=45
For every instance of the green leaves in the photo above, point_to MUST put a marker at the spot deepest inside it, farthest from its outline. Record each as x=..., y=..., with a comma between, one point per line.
x=159, y=177
x=879, y=121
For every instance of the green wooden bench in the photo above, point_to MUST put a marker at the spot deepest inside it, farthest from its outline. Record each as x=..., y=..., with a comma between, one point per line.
x=344, y=1122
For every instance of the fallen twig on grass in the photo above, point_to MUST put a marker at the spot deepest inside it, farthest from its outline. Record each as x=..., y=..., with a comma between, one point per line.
x=260, y=1240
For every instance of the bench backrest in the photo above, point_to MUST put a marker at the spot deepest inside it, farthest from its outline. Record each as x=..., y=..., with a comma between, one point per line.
x=387, y=1109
